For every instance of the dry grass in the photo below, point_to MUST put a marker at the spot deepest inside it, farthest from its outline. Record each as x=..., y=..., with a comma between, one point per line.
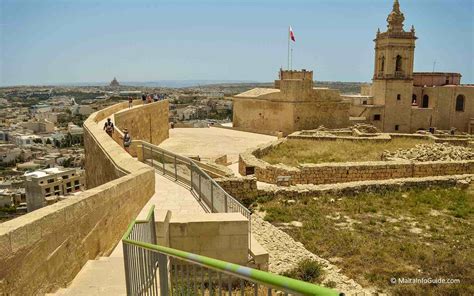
x=373, y=238
x=294, y=152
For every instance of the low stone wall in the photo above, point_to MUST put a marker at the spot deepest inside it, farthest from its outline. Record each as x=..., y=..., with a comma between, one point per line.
x=43, y=250
x=244, y=189
x=326, y=173
x=354, y=188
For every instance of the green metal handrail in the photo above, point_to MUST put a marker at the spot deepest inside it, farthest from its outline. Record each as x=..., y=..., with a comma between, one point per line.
x=253, y=275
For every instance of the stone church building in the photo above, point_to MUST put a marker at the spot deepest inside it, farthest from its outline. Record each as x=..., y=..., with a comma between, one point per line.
x=400, y=100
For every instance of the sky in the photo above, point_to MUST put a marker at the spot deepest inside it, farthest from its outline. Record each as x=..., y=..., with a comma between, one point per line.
x=74, y=41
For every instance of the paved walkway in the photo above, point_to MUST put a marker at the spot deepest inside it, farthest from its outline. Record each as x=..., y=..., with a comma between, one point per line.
x=212, y=142
x=105, y=276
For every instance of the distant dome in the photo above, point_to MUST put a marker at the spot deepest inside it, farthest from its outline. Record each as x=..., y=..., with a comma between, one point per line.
x=114, y=82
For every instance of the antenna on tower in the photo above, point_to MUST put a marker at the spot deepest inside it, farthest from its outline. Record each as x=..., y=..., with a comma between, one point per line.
x=434, y=65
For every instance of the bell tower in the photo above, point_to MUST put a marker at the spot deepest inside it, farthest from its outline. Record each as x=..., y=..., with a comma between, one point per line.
x=393, y=71
x=395, y=48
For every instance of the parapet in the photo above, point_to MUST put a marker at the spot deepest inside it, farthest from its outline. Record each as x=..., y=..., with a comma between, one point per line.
x=301, y=75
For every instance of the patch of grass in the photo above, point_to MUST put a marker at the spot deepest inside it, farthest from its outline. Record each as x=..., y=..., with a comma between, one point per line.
x=307, y=270
x=294, y=152
x=413, y=234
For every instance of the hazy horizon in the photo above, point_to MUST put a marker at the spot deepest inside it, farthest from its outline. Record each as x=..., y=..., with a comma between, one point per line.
x=55, y=42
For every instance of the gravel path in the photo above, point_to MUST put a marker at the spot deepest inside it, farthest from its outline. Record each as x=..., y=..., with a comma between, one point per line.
x=285, y=253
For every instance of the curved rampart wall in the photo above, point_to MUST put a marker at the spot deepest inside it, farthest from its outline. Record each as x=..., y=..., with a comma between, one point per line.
x=45, y=249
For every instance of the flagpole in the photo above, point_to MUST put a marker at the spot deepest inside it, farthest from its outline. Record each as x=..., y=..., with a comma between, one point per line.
x=289, y=48
x=291, y=58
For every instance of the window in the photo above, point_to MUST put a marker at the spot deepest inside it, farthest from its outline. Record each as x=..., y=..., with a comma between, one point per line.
x=398, y=63
x=397, y=127
x=50, y=180
x=447, y=80
x=413, y=99
x=56, y=188
x=76, y=182
x=383, y=64
x=426, y=101
x=460, y=103
x=48, y=190
x=376, y=117
x=399, y=97
x=364, y=102
x=65, y=177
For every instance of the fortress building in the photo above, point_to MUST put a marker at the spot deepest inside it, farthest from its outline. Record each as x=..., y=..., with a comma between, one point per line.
x=294, y=104
x=399, y=100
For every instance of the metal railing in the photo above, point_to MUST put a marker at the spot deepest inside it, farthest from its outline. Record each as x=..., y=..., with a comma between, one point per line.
x=151, y=269
x=186, y=171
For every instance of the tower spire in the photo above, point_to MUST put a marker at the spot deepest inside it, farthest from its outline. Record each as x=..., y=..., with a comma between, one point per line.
x=395, y=18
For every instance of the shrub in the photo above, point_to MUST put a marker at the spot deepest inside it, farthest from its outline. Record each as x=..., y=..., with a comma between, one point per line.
x=307, y=270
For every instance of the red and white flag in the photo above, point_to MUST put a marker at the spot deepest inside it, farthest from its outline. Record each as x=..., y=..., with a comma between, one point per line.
x=292, y=35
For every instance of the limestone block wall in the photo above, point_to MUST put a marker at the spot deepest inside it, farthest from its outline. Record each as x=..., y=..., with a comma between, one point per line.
x=43, y=250
x=244, y=189
x=326, y=173
x=354, y=188
x=148, y=123
x=222, y=236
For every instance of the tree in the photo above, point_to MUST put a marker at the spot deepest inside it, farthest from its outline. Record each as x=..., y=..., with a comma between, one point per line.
x=48, y=141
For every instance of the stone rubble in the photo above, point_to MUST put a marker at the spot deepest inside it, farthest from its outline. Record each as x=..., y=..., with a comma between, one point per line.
x=431, y=152
x=285, y=253
x=366, y=128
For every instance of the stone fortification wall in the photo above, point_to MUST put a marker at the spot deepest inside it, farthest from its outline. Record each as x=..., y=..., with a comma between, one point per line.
x=326, y=173
x=148, y=123
x=43, y=250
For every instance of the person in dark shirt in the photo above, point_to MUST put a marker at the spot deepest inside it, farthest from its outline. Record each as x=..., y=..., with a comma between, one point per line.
x=109, y=127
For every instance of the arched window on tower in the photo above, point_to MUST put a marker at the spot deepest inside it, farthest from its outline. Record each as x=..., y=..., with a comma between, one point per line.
x=382, y=67
x=413, y=100
x=398, y=64
x=460, y=103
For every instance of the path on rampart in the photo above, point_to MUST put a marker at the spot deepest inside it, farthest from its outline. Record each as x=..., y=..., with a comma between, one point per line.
x=105, y=275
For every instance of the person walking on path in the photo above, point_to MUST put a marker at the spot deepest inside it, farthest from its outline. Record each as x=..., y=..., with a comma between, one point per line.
x=144, y=99
x=127, y=140
x=130, y=102
x=109, y=127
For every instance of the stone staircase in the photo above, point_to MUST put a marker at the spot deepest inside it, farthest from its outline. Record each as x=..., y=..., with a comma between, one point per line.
x=104, y=276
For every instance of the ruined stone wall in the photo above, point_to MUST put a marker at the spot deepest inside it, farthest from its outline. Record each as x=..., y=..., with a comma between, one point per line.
x=354, y=188
x=44, y=250
x=326, y=173
x=244, y=189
